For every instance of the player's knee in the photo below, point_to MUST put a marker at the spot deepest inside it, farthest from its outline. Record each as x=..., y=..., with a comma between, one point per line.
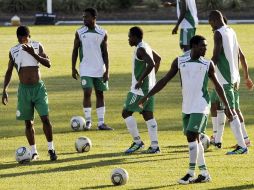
x=191, y=136
x=125, y=114
x=45, y=120
x=29, y=124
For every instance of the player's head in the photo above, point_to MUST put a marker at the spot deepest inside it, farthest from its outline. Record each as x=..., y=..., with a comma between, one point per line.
x=216, y=19
x=198, y=45
x=23, y=34
x=135, y=35
x=89, y=17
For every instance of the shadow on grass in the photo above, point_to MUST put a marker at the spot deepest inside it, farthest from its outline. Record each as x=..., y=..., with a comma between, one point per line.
x=240, y=187
x=98, y=187
x=157, y=187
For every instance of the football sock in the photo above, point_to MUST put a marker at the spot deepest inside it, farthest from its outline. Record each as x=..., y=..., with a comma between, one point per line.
x=236, y=128
x=87, y=113
x=133, y=129
x=193, y=153
x=152, y=130
x=214, y=123
x=221, y=118
x=100, y=114
x=244, y=131
x=50, y=145
x=33, y=149
x=201, y=159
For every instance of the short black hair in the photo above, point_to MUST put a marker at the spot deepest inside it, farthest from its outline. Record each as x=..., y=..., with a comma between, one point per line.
x=136, y=31
x=23, y=31
x=196, y=40
x=92, y=11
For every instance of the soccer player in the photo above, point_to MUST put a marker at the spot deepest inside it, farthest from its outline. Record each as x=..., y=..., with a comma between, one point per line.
x=226, y=58
x=195, y=71
x=187, y=20
x=91, y=42
x=26, y=57
x=145, y=64
x=218, y=116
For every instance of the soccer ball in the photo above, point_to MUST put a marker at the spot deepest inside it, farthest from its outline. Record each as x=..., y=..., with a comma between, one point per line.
x=83, y=144
x=205, y=140
x=77, y=123
x=119, y=176
x=23, y=155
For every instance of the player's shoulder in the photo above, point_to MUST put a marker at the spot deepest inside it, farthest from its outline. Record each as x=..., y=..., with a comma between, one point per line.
x=205, y=60
x=100, y=30
x=15, y=48
x=184, y=58
x=82, y=29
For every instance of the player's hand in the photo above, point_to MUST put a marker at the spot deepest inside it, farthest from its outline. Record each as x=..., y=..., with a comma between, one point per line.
x=249, y=84
x=5, y=98
x=229, y=114
x=105, y=76
x=174, y=31
x=142, y=101
x=167, y=4
x=75, y=74
x=138, y=85
x=29, y=49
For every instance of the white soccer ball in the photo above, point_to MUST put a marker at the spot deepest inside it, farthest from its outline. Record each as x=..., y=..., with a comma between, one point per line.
x=77, y=123
x=83, y=144
x=119, y=176
x=23, y=155
x=205, y=140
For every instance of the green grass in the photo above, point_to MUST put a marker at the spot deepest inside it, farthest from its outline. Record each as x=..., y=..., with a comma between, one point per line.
x=92, y=170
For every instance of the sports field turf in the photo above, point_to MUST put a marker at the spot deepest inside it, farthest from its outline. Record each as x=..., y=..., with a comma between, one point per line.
x=92, y=170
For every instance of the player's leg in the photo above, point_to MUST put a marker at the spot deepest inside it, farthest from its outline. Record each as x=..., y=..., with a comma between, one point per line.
x=100, y=87
x=131, y=106
x=87, y=85
x=214, y=108
x=221, y=119
x=40, y=99
x=30, y=132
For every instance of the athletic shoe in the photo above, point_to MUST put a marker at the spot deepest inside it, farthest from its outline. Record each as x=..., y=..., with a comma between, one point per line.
x=202, y=179
x=186, y=179
x=247, y=142
x=218, y=145
x=212, y=140
x=151, y=150
x=88, y=125
x=104, y=127
x=35, y=156
x=238, y=150
x=134, y=147
x=52, y=155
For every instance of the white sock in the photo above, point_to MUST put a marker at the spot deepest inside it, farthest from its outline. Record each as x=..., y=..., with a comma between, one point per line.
x=100, y=114
x=33, y=149
x=201, y=160
x=193, y=153
x=133, y=129
x=87, y=113
x=221, y=119
x=50, y=145
x=236, y=128
x=214, y=123
x=152, y=130
x=244, y=131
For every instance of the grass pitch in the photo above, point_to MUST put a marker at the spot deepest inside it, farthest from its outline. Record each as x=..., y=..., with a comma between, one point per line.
x=92, y=170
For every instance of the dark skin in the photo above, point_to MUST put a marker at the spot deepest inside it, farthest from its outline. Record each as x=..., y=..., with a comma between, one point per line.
x=29, y=75
x=196, y=51
x=90, y=22
x=151, y=63
x=180, y=19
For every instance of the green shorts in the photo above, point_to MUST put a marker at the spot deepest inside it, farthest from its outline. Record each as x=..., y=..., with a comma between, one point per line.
x=194, y=122
x=230, y=94
x=131, y=103
x=97, y=83
x=237, y=99
x=30, y=97
x=186, y=34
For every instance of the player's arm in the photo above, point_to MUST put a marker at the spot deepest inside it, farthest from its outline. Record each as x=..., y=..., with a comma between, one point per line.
x=169, y=4
x=246, y=75
x=7, y=79
x=162, y=82
x=181, y=17
x=157, y=60
x=104, y=51
x=220, y=91
x=74, y=56
x=142, y=55
x=217, y=47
